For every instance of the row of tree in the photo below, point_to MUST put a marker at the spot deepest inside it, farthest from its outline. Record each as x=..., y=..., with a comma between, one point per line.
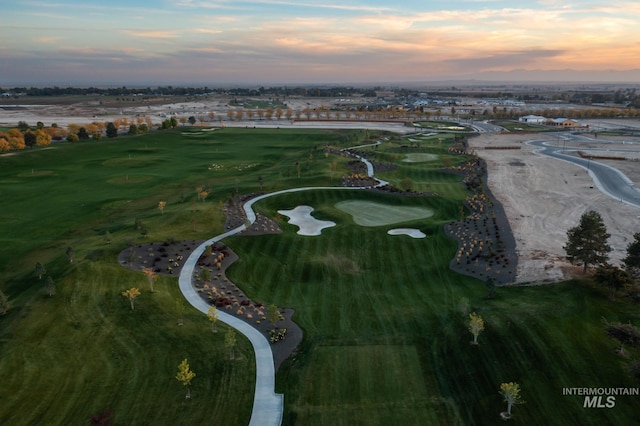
x=24, y=135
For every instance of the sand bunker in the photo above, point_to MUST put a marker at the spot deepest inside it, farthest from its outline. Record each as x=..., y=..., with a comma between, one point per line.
x=412, y=232
x=366, y=213
x=309, y=226
x=419, y=158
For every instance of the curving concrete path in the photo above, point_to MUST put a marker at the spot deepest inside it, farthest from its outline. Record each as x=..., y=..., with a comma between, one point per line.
x=267, y=405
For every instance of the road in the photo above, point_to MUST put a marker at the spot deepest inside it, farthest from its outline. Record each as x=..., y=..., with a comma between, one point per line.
x=608, y=179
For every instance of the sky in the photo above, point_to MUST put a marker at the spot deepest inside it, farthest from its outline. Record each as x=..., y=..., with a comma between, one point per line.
x=217, y=42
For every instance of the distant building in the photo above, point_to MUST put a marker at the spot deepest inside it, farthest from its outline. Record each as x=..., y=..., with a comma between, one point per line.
x=532, y=119
x=565, y=123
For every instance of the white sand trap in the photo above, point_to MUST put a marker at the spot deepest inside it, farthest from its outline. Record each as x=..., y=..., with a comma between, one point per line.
x=419, y=157
x=366, y=213
x=412, y=232
x=309, y=226
x=191, y=133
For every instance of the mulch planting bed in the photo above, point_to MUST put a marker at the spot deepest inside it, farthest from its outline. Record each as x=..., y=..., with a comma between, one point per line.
x=214, y=287
x=486, y=245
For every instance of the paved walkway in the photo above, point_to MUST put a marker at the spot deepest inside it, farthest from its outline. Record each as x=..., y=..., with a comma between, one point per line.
x=267, y=405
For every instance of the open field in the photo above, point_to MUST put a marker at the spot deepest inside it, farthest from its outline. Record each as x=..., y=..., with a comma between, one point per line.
x=544, y=197
x=384, y=339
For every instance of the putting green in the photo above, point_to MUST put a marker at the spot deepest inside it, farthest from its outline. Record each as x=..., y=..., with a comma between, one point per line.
x=419, y=158
x=366, y=213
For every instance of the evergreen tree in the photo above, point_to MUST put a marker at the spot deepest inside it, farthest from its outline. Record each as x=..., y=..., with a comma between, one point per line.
x=612, y=277
x=632, y=260
x=587, y=242
x=82, y=134
x=112, y=130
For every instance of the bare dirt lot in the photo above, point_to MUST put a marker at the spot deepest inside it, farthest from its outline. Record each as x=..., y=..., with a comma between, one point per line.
x=544, y=197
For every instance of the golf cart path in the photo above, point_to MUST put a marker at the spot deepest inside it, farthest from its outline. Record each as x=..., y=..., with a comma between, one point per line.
x=267, y=404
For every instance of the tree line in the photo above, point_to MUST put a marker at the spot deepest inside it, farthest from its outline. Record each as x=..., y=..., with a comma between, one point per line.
x=337, y=91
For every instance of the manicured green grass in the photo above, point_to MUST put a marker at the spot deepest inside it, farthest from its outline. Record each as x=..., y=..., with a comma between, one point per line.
x=384, y=342
x=65, y=358
x=366, y=213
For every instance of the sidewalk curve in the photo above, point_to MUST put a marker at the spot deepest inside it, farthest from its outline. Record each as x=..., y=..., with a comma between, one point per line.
x=268, y=406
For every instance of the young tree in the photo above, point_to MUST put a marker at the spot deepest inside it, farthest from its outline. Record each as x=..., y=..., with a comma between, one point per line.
x=613, y=277
x=632, y=260
x=4, y=303
x=184, y=376
x=161, y=206
x=463, y=305
x=50, y=285
x=40, y=270
x=151, y=276
x=131, y=294
x=70, y=254
x=587, y=242
x=212, y=315
x=476, y=326
x=511, y=393
x=230, y=342
x=273, y=314
x=623, y=333
x=180, y=309
x=205, y=274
